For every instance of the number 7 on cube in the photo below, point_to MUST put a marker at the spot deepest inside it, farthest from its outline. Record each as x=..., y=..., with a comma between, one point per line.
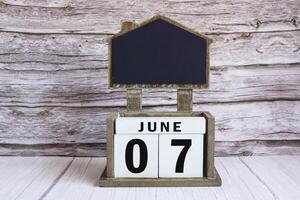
x=181, y=155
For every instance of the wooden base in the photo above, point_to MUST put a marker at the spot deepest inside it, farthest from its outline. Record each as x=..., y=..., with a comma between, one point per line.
x=159, y=182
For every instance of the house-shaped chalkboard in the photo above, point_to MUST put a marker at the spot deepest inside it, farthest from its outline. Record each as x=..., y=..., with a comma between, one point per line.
x=159, y=53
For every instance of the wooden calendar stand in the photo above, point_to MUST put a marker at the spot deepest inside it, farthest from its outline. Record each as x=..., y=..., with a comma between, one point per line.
x=135, y=64
x=184, y=108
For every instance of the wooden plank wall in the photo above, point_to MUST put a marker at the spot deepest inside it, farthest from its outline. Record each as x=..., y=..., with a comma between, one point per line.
x=54, y=95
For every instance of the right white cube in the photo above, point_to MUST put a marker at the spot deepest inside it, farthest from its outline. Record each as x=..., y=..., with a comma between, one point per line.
x=180, y=155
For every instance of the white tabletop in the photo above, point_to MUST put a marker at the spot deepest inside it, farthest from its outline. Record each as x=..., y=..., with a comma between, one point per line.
x=275, y=177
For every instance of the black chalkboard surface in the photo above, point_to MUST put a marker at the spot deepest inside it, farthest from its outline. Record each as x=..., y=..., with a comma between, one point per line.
x=159, y=53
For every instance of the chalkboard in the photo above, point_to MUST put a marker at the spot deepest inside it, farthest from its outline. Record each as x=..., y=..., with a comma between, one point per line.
x=159, y=53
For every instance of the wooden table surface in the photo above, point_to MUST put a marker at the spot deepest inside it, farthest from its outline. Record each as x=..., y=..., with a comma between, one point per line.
x=273, y=177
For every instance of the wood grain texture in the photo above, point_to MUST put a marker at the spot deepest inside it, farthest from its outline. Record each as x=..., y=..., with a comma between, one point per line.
x=54, y=95
x=276, y=178
x=84, y=173
x=54, y=149
x=222, y=148
x=241, y=180
x=50, y=178
x=234, y=122
x=97, y=16
x=53, y=52
x=89, y=87
x=291, y=169
x=29, y=178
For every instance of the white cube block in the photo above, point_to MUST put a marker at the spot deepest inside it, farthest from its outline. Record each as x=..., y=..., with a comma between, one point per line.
x=136, y=156
x=158, y=125
x=181, y=155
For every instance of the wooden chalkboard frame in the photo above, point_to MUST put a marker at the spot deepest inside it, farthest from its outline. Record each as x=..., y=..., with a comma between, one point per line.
x=171, y=86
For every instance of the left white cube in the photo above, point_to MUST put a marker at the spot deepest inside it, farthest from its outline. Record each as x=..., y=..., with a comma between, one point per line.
x=136, y=155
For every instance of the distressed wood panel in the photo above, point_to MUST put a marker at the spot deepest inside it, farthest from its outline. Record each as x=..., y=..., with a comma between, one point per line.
x=53, y=73
x=55, y=149
x=89, y=87
x=234, y=122
x=257, y=147
x=52, y=52
x=98, y=16
x=222, y=148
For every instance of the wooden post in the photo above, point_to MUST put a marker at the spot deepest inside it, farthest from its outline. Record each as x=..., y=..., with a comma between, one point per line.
x=134, y=100
x=184, y=100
